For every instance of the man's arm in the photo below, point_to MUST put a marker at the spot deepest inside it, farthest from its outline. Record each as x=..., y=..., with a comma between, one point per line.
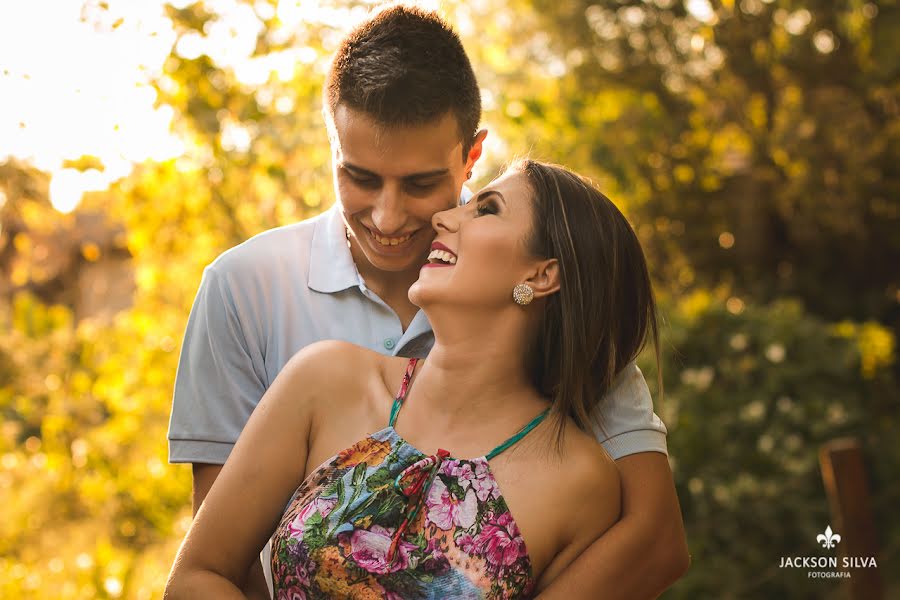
x=644, y=552
x=204, y=476
x=217, y=385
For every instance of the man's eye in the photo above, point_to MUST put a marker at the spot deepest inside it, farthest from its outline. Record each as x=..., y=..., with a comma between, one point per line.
x=417, y=186
x=364, y=181
x=486, y=208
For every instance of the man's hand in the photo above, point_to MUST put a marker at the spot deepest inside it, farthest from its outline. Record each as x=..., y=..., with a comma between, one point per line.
x=644, y=552
x=204, y=476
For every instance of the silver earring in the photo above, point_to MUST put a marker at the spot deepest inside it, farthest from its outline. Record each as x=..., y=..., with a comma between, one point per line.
x=523, y=294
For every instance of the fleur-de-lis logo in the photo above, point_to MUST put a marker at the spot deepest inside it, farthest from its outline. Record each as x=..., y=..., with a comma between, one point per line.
x=829, y=538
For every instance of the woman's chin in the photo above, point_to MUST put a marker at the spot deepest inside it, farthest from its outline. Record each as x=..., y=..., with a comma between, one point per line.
x=427, y=293
x=418, y=294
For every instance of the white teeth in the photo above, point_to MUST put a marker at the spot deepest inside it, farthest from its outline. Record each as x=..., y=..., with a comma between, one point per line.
x=443, y=256
x=386, y=241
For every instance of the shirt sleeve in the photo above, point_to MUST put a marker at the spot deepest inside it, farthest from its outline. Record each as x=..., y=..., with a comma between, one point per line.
x=219, y=380
x=625, y=422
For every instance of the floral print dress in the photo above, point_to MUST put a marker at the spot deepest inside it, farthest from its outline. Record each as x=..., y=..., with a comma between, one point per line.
x=383, y=520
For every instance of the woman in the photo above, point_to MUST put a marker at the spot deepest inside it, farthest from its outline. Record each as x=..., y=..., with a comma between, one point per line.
x=479, y=480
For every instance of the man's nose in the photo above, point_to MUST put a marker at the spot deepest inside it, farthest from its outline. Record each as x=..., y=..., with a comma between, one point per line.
x=389, y=212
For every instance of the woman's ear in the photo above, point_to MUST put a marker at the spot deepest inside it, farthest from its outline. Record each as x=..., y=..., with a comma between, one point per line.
x=544, y=280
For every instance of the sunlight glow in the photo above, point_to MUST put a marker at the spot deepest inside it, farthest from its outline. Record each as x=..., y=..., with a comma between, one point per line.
x=75, y=79
x=67, y=186
x=87, y=93
x=701, y=10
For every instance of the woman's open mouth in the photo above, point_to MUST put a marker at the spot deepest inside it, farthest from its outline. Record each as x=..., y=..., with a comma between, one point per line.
x=440, y=256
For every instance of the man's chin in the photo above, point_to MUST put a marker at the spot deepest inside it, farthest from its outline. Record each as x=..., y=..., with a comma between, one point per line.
x=392, y=264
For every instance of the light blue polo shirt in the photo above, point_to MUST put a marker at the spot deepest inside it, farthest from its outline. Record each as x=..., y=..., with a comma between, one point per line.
x=265, y=299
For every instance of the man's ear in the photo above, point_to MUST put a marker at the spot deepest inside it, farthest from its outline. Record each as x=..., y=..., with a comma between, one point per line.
x=476, y=149
x=544, y=280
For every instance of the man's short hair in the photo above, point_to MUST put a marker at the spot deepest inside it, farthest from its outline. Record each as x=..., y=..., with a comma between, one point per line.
x=405, y=66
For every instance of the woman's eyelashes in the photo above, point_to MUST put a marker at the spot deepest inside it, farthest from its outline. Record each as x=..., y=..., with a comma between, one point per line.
x=485, y=207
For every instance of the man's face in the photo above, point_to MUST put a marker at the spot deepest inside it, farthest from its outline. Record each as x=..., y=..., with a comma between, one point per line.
x=390, y=181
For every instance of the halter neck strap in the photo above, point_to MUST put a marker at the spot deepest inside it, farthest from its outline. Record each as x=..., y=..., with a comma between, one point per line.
x=518, y=435
x=404, y=389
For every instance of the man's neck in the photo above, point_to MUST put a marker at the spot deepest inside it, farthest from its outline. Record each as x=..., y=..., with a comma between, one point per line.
x=391, y=287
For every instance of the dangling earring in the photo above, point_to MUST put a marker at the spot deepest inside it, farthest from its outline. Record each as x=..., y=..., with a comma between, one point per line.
x=523, y=294
x=468, y=175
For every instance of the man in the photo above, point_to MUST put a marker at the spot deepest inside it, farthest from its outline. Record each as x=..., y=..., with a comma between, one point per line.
x=402, y=110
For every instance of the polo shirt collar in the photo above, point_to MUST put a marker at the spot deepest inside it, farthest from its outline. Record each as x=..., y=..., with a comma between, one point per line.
x=331, y=266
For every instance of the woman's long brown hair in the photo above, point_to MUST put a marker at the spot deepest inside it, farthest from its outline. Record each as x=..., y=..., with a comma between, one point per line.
x=600, y=319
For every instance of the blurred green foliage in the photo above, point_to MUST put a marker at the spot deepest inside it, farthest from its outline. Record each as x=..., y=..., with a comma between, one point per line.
x=749, y=400
x=754, y=145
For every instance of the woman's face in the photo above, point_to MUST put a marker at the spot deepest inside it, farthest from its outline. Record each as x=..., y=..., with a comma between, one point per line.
x=479, y=253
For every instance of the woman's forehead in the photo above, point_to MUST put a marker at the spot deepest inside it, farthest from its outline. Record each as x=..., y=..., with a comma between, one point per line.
x=511, y=183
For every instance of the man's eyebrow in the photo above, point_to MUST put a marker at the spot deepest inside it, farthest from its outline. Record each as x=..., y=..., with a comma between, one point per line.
x=421, y=175
x=359, y=170
x=427, y=174
x=485, y=193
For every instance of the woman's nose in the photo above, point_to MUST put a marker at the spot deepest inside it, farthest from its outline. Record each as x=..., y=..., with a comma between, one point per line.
x=447, y=220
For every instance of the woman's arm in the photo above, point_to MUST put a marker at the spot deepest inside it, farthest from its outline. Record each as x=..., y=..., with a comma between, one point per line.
x=246, y=501
x=644, y=552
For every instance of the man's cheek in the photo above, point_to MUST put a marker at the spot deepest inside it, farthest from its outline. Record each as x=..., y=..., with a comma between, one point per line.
x=349, y=197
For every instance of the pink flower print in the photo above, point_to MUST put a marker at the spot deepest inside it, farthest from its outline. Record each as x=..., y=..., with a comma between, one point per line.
x=500, y=542
x=483, y=483
x=323, y=506
x=462, y=472
x=435, y=561
x=466, y=543
x=291, y=594
x=445, y=511
x=369, y=549
x=301, y=573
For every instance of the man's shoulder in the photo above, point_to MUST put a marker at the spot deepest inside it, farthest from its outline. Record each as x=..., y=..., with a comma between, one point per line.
x=275, y=249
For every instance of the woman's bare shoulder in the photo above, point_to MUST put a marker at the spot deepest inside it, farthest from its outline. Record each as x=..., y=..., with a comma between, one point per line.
x=586, y=494
x=592, y=482
x=327, y=365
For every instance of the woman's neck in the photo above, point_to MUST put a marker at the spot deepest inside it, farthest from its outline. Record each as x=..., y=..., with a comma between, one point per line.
x=475, y=372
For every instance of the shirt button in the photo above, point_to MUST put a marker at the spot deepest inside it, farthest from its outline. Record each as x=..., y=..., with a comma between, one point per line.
x=389, y=344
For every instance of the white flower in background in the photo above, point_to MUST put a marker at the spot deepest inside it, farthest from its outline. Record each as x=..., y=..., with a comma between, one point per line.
x=775, y=353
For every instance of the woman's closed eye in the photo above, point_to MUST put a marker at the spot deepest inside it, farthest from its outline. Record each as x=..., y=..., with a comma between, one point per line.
x=485, y=207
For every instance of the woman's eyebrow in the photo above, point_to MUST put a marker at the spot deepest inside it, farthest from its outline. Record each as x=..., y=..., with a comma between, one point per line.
x=486, y=193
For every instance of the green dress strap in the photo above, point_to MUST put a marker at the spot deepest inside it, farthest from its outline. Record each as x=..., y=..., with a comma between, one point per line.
x=519, y=435
x=404, y=389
